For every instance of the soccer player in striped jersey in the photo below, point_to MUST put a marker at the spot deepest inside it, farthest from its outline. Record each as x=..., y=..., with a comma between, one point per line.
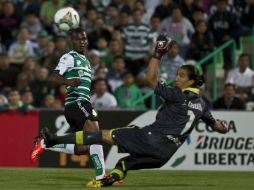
x=74, y=71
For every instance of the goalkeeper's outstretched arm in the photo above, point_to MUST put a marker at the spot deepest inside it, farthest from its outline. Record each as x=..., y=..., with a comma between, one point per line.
x=152, y=72
x=163, y=42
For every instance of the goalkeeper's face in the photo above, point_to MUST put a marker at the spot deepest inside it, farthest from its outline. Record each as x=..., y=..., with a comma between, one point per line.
x=182, y=79
x=80, y=42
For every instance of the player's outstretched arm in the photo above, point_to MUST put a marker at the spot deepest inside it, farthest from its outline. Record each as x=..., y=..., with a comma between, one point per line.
x=152, y=72
x=220, y=126
x=162, y=44
x=59, y=80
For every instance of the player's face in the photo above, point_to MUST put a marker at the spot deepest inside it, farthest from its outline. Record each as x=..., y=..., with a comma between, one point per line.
x=80, y=42
x=182, y=79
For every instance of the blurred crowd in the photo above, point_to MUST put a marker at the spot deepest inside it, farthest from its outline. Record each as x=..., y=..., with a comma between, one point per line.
x=121, y=35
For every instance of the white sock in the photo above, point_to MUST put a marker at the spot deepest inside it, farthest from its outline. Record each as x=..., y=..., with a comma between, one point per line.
x=97, y=156
x=65, y=148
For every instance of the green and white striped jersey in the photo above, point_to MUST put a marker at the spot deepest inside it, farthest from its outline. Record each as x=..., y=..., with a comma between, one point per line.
x=74, y=65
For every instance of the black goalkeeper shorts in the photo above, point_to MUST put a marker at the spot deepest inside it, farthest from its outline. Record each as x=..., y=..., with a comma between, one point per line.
x=77, y=113
x=143, y=142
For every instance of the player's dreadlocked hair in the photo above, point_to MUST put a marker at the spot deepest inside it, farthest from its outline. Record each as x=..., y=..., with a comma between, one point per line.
x=193, y=74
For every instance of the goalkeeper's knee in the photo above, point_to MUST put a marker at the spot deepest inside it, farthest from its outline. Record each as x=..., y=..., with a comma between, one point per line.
x=88, y=138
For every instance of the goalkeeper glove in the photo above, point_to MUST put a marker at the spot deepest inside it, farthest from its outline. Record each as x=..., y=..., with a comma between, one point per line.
x=163, y=43
x=223, y=127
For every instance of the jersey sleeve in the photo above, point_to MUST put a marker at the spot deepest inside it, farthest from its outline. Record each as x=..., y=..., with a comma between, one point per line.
x=207, y=117
x=65, y=62
x=166, y=92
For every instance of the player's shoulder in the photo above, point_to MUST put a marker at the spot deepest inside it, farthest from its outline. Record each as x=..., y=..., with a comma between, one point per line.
x=203, y=102
x=163, y=85
x=66, y=57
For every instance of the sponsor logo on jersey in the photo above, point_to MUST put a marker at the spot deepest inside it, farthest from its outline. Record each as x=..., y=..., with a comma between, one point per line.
x=195, y=106
x=78, y=62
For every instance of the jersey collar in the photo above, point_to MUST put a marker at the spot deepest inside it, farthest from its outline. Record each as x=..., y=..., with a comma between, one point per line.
x=194, y=90
x=80, y=55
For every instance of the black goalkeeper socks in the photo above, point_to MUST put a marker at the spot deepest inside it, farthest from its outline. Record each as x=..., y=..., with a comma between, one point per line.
x=88, y=138
x=54, y=140
x=80, y=137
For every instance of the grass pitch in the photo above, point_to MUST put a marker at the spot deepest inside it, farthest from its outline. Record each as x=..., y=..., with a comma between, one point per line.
x=72, y=179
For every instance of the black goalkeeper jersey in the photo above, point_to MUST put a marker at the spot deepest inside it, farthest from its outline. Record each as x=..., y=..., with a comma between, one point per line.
x=181, y=111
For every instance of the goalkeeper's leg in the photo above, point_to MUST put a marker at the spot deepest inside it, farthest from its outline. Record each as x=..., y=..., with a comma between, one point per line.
x=132, y=162
x=79, y=138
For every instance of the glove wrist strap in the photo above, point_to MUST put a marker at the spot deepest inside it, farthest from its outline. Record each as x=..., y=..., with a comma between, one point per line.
x=157, y=55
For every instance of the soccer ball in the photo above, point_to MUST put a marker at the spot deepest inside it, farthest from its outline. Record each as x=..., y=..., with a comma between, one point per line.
x=66, y=19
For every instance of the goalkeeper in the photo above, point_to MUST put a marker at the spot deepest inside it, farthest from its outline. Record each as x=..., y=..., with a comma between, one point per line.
x=153, y=145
